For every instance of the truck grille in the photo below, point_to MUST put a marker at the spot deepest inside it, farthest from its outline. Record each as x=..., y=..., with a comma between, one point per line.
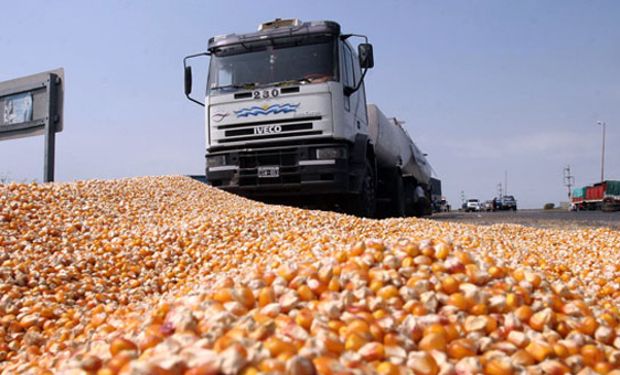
x=269, y=129
x=285, y=128
x=286, y=159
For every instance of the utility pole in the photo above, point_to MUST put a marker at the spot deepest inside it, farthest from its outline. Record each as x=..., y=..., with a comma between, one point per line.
x=604, y=125
x=569, y=180
x=499, y=190
x=506, y=182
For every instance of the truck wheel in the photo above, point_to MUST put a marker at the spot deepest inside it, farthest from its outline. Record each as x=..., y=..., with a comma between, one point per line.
x=365, y=203
x=429, y=208
x=399, y=206
x=422, y=208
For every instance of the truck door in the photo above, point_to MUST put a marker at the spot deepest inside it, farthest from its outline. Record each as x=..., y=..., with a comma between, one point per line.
x=355, y=105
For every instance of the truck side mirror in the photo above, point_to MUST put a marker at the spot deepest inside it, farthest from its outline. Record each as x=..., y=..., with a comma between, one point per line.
x=364, y=51
x=188, y=80
x=188, y=76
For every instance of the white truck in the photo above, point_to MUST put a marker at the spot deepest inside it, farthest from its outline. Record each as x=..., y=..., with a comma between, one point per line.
x=287, y=120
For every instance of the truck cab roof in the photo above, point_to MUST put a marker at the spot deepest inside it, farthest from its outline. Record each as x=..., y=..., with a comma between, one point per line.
x=275, y=29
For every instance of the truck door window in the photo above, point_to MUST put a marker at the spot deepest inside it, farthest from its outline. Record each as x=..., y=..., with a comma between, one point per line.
x=360, y=100
x=349, y=78
x=347, y=74
x=359, y=97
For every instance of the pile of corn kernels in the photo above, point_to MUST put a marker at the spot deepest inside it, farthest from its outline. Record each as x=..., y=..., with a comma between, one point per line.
x=164, y=275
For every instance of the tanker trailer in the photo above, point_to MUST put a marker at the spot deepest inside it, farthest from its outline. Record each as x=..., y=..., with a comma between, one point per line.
x=403, y=173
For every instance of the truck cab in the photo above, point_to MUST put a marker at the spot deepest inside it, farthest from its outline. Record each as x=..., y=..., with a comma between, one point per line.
x=286, y=115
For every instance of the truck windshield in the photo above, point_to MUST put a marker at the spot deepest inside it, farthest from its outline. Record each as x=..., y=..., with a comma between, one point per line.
x=279, y=61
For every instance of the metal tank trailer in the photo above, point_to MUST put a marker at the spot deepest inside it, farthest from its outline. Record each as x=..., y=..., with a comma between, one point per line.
x=401, y=166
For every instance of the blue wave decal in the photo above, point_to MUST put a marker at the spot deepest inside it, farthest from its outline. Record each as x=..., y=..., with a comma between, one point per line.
x=267, y=109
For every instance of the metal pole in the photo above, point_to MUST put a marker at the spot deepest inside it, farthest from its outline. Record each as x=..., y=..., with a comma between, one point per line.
x=50, y=129
x=603, y=152
x=603, y=155
x=569, y=180
x=50, y=148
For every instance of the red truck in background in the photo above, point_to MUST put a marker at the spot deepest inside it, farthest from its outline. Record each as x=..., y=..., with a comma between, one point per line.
x=603, y=196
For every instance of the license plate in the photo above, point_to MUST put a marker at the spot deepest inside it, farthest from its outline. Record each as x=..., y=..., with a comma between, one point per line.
x=268, y=172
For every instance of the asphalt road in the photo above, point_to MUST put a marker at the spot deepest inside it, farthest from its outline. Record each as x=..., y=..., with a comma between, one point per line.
x=556, y=219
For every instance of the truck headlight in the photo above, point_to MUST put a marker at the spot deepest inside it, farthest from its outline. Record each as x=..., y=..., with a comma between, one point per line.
x=216, y=160
x=331, y=153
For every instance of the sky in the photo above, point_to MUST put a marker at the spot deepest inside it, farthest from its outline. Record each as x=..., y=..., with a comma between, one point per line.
x=486, y=87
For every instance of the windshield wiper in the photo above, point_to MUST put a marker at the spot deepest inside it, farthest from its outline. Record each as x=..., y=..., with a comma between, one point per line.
x=248, y=85
x=251, y=85
x=292, y=82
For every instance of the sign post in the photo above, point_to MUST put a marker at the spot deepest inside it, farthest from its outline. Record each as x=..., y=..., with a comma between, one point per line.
x=31, y=106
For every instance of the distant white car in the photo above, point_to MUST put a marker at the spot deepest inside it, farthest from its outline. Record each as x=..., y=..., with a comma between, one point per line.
x=472, y=205
x=486, y=206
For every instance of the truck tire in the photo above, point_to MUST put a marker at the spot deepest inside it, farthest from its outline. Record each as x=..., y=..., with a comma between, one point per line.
x=420, y=209
x=364, y=204
x=428, y=208
x=422, y=204
x=399, y=205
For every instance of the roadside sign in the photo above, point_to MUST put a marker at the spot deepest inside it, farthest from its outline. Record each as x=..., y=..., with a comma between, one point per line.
x=31, y=106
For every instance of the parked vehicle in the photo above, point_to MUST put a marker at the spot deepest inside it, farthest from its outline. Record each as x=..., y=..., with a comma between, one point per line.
x=472, y=205
x=600, y=196
x=439, y=202
x=594, y=195
x=441, y=205
x=507, y=202
x=435, y=193
x=444, y=206
x=488, y=206
x=611, y=198
x=286, y=119
x=577, y=198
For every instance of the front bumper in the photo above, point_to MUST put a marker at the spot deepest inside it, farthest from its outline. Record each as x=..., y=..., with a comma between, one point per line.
x=300, y=173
